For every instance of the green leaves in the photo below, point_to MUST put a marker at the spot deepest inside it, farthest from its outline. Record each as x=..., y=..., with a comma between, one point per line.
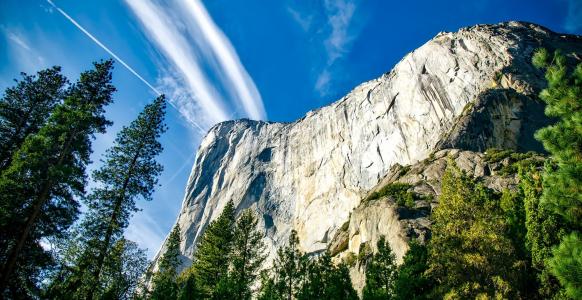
x=381, y=273
x=48, y=170
x=562, y=179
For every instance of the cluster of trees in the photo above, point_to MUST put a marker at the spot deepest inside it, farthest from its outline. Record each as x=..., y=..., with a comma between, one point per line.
x=522, y=244
x=47, y=126
x=525, y=243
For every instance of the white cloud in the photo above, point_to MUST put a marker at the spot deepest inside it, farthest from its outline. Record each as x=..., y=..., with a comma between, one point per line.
x=573, y=21
x=303, y=20
x=339, y=14
x=162, y=29
x=336, y=28
x=238, y=81
x=202, y=67
x=26, y=58
x=18, y=40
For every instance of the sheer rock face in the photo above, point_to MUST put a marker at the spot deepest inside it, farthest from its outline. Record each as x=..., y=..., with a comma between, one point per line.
x=310, y=174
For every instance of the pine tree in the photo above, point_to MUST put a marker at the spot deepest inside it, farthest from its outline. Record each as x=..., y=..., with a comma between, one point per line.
x=288, y=269
x=380, y=273
x=323, y=280
x=411, y=281
x=247, y=255
x=562, y=181
x=470, y=254
x=37, y=191
x=164, y=280
x=129, y=172
x=187, y=288
x=212, y=258
x=122, y=270
x=25, y=108
x=544, y=231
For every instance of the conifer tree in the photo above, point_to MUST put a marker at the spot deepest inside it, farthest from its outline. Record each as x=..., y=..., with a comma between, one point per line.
x=324, y=280
x=469, y=253
x=25, y=108
x=187, y=288
x=212, y=258
x=412, y=282
x=267, y=287
x=544, y=230
x=380, y=273
x=164, y=280
x=562, y=181
x=129, y=172
x=37, y=191
x=247, y=255
x=122, y=270
x=288, y=269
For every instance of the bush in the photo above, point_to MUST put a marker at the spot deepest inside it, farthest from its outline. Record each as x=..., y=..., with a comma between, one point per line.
x=399, y=191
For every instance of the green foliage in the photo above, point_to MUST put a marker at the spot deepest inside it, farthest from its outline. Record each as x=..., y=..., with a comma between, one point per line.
x=543, y=229
x=412, y=282
x=288, y=269
x=470, y=254
x=212, y=258
x=562, y=179
x=129, y=172
x=324, y=280
x=187, y=288
x=399, y=191
x=247, y=255
x=25, y=108
x=381, y=273
x=38, y=190
x=567, y=263
x=164, y=280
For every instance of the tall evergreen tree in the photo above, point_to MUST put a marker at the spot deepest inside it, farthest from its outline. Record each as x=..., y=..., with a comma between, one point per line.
x=37, y=191
x=129, y=172
x=562, y=181
x=212, y=258
x=412, y=282
x=469, y=253
x=247, y=255
x=25, y=107
x=544, y=230
x=380, y=273
x=324, y=280
x=122, y=270
x=164, y=280
x=288, y=269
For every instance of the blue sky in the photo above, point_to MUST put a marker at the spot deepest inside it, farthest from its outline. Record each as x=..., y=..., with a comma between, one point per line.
x=227, y=59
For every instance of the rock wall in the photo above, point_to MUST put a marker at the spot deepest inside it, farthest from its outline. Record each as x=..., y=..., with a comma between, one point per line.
x=310, y=174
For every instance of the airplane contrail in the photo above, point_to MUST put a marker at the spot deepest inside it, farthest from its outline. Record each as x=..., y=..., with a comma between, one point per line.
x=117, y=58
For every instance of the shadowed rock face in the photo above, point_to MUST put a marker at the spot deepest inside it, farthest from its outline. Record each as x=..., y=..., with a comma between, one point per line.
x=310, y=174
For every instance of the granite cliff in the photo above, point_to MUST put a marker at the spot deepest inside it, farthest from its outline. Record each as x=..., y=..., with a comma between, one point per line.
x=472, y=89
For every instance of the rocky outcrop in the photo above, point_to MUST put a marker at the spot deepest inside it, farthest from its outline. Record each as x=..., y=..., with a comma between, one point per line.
x=399, y=224
x=310, y=174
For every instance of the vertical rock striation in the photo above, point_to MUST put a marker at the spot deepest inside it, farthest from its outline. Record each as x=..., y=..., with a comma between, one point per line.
x=471, y=89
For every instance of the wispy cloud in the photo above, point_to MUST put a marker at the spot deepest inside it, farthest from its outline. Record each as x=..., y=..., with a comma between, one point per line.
x=237, y=81
x=340, y=14
x=191, y=121
x=18, y=40
x=303, y=20
x=23, y=54
x=337, y=32
x=573, y=22
x=203, y=67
